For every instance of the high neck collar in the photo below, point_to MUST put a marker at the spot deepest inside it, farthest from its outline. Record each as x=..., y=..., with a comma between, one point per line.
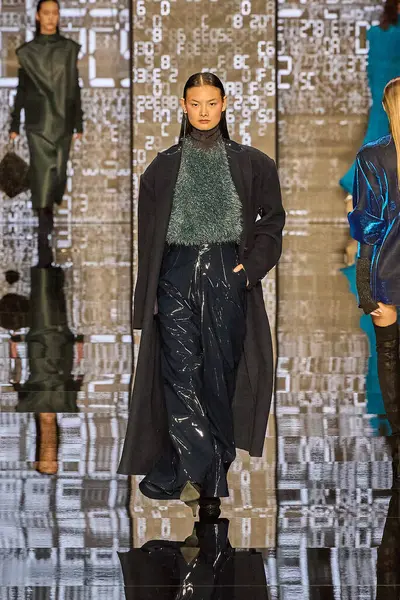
x=206, y=138
x=43, y=38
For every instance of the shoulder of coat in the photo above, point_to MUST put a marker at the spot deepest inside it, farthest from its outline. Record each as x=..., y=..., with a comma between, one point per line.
x=375, y=147
x=66, y=40
x=173, y=150
x=22, y=47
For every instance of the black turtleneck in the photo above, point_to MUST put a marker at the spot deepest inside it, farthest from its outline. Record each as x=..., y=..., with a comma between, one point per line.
x=206, y=138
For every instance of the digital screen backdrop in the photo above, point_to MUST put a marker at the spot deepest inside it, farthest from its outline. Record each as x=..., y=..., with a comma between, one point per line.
x=235, y=39
x=329, y=462
x=85, y=505
x=93, y=236
x=174, y=39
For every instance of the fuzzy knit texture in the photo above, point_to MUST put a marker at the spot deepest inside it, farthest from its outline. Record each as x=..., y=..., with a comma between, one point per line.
x=206, y=206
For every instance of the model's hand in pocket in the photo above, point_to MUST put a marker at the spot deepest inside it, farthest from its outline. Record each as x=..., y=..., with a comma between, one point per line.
x=238, y=269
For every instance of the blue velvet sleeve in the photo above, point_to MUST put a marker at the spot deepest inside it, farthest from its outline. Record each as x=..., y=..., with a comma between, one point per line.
x=366, y=223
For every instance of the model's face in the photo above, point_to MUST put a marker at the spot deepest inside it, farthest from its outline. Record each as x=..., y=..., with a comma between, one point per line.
x=48, y=17
x=204, y=106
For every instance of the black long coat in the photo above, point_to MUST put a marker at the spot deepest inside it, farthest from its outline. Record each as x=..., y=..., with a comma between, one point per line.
x=49, y=92
x=256, y=180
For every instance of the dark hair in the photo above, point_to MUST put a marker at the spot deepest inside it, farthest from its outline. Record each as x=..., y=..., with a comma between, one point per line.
x=198, y=80
x=390, y=14
x=38, y=7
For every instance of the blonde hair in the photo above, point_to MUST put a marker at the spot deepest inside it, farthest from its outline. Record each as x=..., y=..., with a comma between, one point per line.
x=391, y=104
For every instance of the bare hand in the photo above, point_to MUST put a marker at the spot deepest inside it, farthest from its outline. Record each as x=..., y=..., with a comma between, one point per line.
x=78, y=136
x=238, y=269
x=379, y=312
x=386, y=313
x=13, y=135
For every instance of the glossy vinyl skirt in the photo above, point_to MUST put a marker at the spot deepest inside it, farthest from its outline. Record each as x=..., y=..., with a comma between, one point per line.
x=201, y=312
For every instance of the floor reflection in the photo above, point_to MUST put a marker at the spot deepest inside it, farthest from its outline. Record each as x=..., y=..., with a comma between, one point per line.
x=318, y=507
x=51, y=386
x=202, y=567
x=388, y=572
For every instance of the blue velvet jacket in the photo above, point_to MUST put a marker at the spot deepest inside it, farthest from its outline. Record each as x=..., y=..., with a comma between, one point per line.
x=375, y=218
x=383, y=65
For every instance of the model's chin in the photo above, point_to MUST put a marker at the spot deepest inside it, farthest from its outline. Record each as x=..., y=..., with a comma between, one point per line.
x=205, y=126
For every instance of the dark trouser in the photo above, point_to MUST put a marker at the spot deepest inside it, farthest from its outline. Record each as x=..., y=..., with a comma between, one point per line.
x=201, y=312
x=46, y=224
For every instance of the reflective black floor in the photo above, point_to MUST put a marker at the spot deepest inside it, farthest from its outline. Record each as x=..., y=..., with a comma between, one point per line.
x=315, y=518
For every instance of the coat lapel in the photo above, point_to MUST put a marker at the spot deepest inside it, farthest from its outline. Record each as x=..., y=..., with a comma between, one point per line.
x=242, y=176
x=164, y=188
x=241, y=171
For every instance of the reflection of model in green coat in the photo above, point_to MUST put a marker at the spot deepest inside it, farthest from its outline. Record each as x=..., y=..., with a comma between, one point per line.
x=51, y=386
x=49, y=92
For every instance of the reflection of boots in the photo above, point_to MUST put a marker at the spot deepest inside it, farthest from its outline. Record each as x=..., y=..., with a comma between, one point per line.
x=190, y=548
x=210, y=508
x=387, y=347
x=46, y=224
x=47, y=437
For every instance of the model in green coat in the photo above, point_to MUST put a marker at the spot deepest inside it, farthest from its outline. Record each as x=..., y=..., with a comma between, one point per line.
x=49, y=93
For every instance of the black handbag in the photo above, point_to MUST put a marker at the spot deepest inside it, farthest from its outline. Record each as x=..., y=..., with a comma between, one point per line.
x=13, y=174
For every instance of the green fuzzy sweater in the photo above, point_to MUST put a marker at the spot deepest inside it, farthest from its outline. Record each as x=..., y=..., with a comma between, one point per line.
x=206, y=206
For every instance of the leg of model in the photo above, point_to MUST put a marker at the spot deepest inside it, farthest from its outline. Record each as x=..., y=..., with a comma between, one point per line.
x=223, y=330
x=387, y=347
x=45, y=253
x=46, y=224
x=182, y=366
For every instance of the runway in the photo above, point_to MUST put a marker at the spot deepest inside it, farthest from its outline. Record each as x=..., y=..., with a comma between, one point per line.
x=315, y=506
x=314, y=518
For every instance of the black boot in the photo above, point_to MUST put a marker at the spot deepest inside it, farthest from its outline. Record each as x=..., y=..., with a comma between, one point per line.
x=387, y=347
x=210, y=508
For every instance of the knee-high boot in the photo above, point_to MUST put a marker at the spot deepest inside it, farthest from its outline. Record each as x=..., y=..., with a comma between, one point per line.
x=387, y=347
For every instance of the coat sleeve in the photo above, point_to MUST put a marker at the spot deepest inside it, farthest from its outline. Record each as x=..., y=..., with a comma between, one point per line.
x=363, y=279
x=78, y=124
x=267, y=247
x=146, y=216
x=19, y=102
x=367, y=224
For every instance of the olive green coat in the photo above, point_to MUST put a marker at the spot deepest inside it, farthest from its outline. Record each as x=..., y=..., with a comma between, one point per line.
x=49, y=93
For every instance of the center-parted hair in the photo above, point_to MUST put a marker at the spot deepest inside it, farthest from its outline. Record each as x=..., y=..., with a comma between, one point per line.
x=391, y=103
x=198, y=80
x=38, y=7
